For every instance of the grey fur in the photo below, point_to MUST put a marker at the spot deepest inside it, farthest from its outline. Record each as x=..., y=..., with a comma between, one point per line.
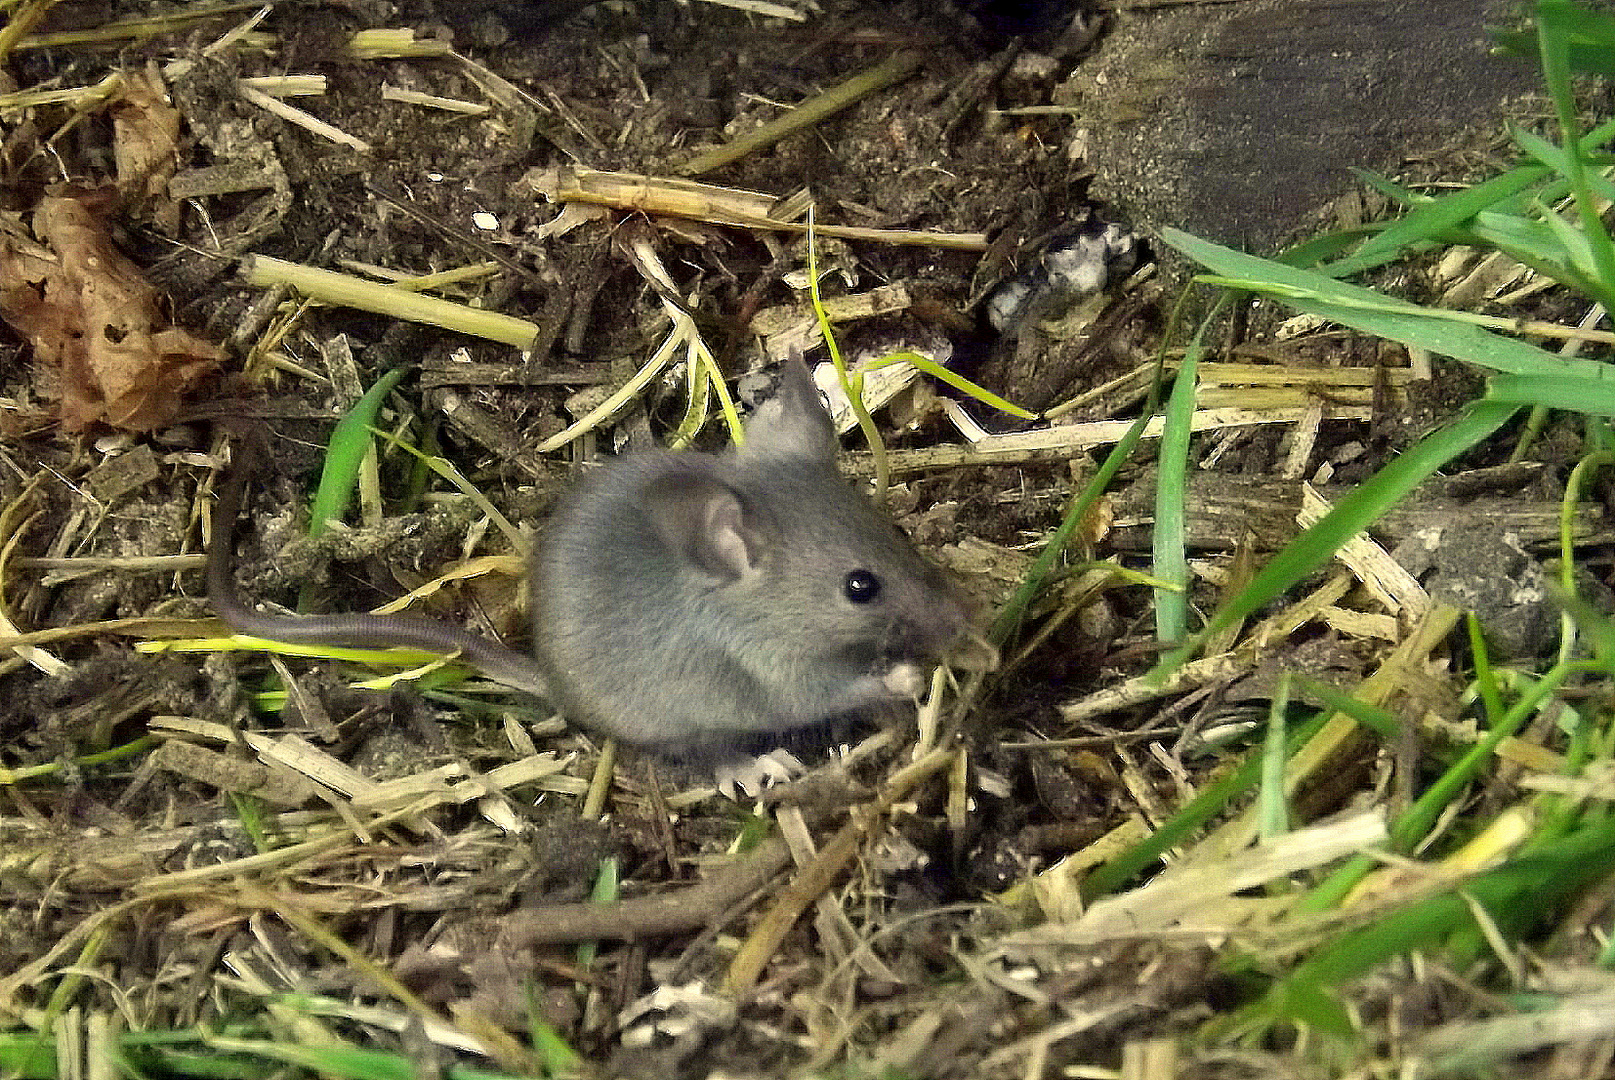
x=647, y=641
x=683, y=600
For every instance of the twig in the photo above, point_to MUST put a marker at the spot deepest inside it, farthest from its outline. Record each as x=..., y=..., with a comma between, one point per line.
x=648, y=916
x=718, y=205
x=302, y=119
x=810, y=112
x=817, y=875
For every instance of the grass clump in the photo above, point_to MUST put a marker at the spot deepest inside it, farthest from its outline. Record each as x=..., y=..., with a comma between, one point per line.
x=1546, y=213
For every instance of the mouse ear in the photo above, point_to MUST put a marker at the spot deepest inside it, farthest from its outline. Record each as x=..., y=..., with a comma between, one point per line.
x=794, y=422
x=705, y=522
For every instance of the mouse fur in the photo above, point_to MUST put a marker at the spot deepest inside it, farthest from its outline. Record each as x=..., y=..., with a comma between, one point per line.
x=685, y=598
x=693, y=603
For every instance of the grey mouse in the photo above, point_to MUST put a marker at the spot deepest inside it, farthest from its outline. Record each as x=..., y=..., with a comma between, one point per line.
x=683, y=599
x=690, y=602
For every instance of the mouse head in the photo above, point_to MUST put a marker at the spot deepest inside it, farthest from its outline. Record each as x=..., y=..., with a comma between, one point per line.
x=804, y=570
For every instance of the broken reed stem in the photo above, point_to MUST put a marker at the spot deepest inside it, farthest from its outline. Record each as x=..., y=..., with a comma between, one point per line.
x=347, y=291
x=653, y=195
x=127, y=29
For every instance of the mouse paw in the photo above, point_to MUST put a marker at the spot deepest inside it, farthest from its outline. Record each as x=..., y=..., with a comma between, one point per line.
x=752, y=776
x=905, y=680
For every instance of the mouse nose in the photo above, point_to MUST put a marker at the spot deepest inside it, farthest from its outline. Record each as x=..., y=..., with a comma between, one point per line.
x=973, y=652
x=960, y=643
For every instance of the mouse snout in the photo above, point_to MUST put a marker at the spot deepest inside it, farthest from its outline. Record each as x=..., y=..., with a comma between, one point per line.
x=949, y=636
x=929, y=638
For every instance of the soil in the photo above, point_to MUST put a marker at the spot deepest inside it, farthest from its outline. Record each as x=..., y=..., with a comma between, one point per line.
x=1178, y=115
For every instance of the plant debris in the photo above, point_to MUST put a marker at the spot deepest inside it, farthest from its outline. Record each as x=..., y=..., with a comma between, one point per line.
x=220, y=856
x=89, y=310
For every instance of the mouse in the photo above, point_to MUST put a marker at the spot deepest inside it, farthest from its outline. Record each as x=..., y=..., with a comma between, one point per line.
x=687, y=602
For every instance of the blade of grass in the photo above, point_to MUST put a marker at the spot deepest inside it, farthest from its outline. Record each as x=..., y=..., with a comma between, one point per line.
x=443, y=468
x=1586, y=57
x=1309, y=253
x=1486, y=682
x=343, y=455
x=1211, y=801
x=1390, y=188
x=1535, y=244
x=1368, y=311
x=1014, y=610
x=554, y=1051
x=1426, y=220
x=1169, y=549
x=1371, y=717
x=1517, y=894
x=28, y=1055
x=1557, y=21
x=1351, y=514
x=607, y=890
x=1569, y=392
x=1411, y=826
x=1273, y=816
x=953, y=379
x=1555, y=158
x=1586, y=467
x=852, y=386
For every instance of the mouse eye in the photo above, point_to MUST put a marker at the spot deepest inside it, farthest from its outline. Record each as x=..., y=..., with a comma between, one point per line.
x=861, y=586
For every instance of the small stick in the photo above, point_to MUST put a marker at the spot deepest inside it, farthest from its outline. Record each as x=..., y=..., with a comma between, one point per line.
x=648, y=916
x=810, y=112
x=301, y=119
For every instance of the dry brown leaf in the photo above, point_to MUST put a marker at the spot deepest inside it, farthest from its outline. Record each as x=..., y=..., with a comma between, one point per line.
x=145, y=144
x=90, y=311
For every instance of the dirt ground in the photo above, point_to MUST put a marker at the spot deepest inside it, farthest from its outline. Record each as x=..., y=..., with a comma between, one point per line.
x=206, y=855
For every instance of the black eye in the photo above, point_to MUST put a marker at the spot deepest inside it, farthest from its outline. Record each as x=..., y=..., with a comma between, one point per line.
x=861, y=586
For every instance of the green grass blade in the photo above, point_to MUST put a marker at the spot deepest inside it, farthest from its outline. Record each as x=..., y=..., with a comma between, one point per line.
x=1273, y=811
x=1516, y=895
x=349, y=441
x=1390, y=188
x=354, y=1063
x=1368, y=311
x=1169, y=546
x=1555, y=158
x=1014, y=610
x=953, y=379
x=1585, y=58
x=1309, y=253
x=1411, y=826
x=1557, y=22
x=607, y=890
x=27, y=1055
x=1371, y=717
x=1534, y=244
x=1211, y=801
x=1353, y=513
x=1428, y=220
x=440, y=465
x=1595, y=628
x=1009, y=617
x=1487, y=685
x=1570, y=393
